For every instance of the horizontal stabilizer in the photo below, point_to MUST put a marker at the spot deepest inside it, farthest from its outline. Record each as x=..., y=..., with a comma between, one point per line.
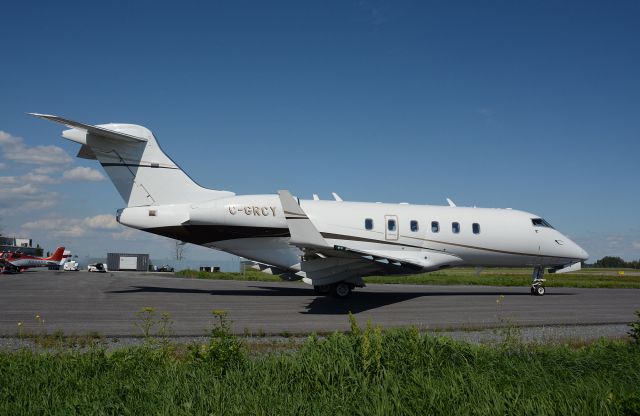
x=95, y=130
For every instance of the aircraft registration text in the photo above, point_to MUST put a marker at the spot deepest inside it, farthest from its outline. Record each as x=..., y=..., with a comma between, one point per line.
x=263, y=211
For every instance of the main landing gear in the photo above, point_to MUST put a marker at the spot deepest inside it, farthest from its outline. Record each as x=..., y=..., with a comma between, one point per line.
x=537, y=281
x=339, y=290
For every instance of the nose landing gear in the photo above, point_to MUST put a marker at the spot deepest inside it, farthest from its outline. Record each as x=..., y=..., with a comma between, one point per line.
x=537, y=281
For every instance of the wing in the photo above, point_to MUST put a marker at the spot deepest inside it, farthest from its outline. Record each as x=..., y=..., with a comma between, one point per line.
x=325, y=263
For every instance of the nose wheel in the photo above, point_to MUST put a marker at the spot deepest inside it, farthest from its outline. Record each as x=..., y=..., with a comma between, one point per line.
x=538, y=290
x=537, y=283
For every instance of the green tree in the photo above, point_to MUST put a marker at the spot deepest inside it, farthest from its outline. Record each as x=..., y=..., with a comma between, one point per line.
x=611, y=262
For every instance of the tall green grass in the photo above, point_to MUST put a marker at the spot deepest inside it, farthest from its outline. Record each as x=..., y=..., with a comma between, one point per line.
x=368, y=371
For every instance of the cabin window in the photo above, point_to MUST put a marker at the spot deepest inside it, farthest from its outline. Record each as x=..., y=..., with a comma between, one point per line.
x=391, y=225
x=153, y=212
x=435, y=226
x=539, y=222
x=455, y=227
x=414, y=226
x=368, y=224
x=476, y=228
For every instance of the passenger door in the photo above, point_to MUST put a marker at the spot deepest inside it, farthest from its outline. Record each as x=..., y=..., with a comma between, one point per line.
x=391, y=226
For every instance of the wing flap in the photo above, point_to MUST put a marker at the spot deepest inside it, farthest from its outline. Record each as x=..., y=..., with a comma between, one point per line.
x=383, y=259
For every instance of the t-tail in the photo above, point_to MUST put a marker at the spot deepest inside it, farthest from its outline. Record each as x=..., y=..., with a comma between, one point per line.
x=135, y=163
x=57, y=255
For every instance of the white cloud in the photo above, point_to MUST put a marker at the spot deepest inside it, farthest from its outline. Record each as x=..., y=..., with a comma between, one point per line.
x=38, y=179
x=3, y=166
x=25, y=198
x=127, y=234
x=7, y=180
x=7, y=139
x=26, y=189
x=40, y=155
x=47, y=170
x=101, y=222
x=56, y=226
x=82, y=173
x=15, y=149
x=69, y=227
x=47, y=201
x=636, y=245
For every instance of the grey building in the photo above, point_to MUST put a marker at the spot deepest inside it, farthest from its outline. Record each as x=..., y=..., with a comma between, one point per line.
x=127, y=261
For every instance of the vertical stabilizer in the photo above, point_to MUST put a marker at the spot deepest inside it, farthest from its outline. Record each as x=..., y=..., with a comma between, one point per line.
x=135, y=163
x=57, y=255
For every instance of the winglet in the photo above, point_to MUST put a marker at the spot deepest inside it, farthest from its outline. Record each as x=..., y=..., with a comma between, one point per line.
x=303, y=232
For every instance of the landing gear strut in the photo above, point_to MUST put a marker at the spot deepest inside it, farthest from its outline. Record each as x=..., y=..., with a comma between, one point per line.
x=537, y=281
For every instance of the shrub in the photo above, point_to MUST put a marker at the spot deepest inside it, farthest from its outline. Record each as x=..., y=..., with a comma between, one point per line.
x=224, y=350
x=635, y=329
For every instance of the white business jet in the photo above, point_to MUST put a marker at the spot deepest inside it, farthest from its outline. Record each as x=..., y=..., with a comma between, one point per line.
x=329, y=244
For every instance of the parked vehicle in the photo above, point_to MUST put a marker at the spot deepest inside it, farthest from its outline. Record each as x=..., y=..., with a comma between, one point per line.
x=165, y=268
x=71, y=266
x=97, y=267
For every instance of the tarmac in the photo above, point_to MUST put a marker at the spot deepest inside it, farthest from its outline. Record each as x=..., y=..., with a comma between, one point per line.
x=109, y=304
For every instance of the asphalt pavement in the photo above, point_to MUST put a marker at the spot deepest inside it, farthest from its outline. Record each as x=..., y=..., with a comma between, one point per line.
x=81, y=302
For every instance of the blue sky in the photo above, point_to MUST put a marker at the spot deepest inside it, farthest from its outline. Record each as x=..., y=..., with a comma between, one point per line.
x=533, y=105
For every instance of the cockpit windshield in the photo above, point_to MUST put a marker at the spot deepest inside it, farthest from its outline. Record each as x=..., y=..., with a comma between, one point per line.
x=539, y=222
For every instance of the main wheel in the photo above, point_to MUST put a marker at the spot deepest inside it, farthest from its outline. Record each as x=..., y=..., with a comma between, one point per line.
x=341, y=290
x=540, y=290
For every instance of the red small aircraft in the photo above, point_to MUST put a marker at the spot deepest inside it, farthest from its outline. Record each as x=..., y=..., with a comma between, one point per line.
x=16, y=262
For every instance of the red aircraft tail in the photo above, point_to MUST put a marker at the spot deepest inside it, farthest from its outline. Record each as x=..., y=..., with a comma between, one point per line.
x=57, y=255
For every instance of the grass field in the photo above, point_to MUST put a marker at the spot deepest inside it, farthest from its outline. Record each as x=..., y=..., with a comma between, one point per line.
x=603, y=278
x=367, y=371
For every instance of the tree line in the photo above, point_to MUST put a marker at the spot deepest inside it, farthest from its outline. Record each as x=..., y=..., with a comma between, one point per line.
x=615, y=262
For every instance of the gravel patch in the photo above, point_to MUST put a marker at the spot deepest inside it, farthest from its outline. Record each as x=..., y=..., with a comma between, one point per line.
x=559, y=334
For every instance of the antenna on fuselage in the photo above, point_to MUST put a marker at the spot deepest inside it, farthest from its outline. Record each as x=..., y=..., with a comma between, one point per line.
x=316, y=197
x=451, y=204
x=336, y=197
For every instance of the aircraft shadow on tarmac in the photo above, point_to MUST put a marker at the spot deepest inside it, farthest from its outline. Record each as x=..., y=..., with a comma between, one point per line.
x=326, y=305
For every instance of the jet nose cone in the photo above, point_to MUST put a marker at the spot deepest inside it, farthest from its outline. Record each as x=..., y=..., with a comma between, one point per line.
x=583, y=255
x=578, y=252
x=574, y=251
